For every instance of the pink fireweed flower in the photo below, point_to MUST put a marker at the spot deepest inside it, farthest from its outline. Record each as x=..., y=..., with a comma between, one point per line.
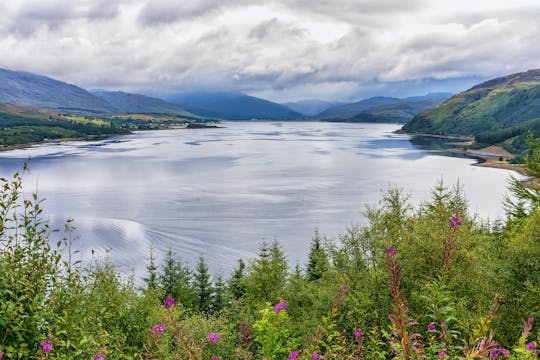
x=215, y=358
x=169, y=302
x=213, y=337
x=47, y=346
x=1, y=356
x=431, y=327
x=315, y=356
x=497, y=352
x=393, y=352
x=530, y=346
x=99, y=357
x=158, y=328
x=293, y=355
x=358, y=333
x=282, y=305
x=391, y=251
x=442, y=353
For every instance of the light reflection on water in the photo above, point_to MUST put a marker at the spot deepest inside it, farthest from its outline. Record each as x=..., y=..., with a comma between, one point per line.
x=220, y=192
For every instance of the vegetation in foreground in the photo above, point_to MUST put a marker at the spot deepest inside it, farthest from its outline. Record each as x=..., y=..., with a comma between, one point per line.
x=431, y=282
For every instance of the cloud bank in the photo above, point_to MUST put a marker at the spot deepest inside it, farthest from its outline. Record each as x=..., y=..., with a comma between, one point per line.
x=281, y=50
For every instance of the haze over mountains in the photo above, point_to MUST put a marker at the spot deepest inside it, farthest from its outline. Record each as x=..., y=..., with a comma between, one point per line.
x=29, y=89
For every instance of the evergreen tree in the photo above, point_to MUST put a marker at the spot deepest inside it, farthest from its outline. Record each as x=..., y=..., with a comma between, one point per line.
x=318, y=258
x=236, y=287
x=202, y=286
x=152, y=279
x=268, y=274
x=219, y=300
x=175, y=279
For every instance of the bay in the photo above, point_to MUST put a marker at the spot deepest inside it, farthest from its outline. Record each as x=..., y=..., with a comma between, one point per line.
x=220, y=192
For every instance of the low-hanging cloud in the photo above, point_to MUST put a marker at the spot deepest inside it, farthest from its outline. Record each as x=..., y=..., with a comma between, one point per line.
x=287, y=49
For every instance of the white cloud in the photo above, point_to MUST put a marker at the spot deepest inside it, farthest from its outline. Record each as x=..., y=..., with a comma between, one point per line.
x=282, y=49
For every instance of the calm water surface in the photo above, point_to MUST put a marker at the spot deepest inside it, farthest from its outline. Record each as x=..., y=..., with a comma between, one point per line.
x=220, y=192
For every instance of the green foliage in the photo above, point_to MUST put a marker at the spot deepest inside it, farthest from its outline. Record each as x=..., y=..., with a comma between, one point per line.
x=433, y=263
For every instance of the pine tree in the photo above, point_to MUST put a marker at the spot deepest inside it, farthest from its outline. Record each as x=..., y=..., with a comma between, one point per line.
x=318, y=262
x=152, y=279
x=219, y=300
x=202, y=286
x=175, y=279
x=236, y=287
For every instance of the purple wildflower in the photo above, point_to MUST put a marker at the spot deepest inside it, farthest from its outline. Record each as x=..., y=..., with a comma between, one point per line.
x=358, y=333
x=158, y=328
x=282, y=305
x=215, y=358
x=393, y=352
x=99, y=357
x=315, y=356
x=47, y=346
x=293, y=355
x=442, y=353
x=391, y=251
x=431, y=327
x=497, y=352
x=169, y=302
x=530, y=346
x=1, y=356
x=213, y=337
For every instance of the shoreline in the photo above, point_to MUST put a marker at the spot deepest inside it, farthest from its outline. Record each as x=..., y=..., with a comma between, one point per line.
x=56, y=141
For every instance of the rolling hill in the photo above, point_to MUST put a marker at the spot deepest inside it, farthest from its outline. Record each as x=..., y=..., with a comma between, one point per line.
x=400, y=112
x=349, y=110
x=498, y=111
x=29, y=89
x=140, y=104
x=232, y=106
x=26, y=125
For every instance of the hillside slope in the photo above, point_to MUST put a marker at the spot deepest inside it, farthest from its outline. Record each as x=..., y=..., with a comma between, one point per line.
x=349, y=110
x=23, y=125
x=232, y=106
x=401, y=112
x=29, y=89
x=495, y=106
x=140, y=104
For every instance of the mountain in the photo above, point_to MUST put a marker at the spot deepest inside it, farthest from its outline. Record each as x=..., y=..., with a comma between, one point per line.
x=349, y=110
x=494, y=111
x=400, y=112
x=29, y=89
x=311, y=107
x=232, y=106
x=140, y=104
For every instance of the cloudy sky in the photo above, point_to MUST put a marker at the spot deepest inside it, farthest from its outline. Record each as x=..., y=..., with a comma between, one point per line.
x=280, y=50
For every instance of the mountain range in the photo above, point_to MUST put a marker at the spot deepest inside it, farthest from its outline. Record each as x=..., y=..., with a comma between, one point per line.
x=232, y=106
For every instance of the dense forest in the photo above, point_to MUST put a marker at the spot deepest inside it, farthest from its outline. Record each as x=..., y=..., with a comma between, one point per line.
x=425, y=282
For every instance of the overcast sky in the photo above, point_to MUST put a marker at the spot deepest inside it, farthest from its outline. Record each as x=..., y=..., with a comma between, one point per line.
x=280, y=50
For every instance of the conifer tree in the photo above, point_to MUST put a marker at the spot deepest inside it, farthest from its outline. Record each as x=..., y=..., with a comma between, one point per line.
x=202, y=286
x=236, y=287
x=318, y=258
x=152, y=279
x=175, y=279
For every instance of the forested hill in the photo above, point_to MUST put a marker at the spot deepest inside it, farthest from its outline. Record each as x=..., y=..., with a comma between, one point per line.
x=496, y=111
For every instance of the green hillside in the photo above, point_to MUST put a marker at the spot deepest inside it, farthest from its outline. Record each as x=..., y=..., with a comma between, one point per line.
x=496, y=111
x=24, y=125
x=401, y=112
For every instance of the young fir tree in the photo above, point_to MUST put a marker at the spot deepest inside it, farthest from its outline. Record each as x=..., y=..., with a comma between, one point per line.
x=268, y=274
x=318, y=258
x=202, y=286
x=236, y=286
x=175, y=279
x=152, y=279
x=219, y=300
